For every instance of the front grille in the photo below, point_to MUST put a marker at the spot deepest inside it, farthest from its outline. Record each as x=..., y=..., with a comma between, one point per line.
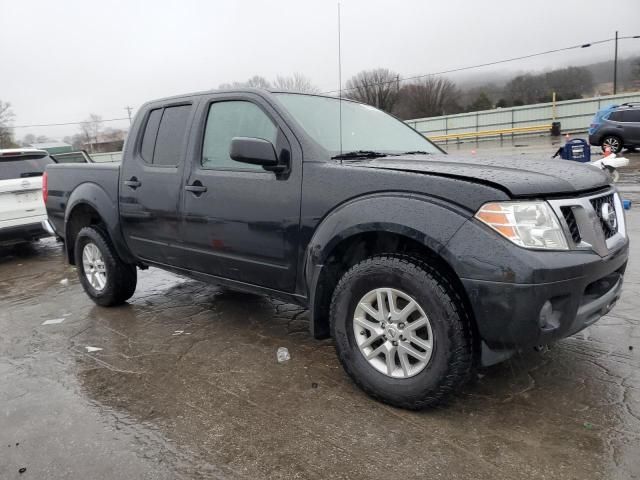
x=597, y=206
x=570, y=218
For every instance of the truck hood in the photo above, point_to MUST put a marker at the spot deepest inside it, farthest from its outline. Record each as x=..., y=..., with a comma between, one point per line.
x=522, y=176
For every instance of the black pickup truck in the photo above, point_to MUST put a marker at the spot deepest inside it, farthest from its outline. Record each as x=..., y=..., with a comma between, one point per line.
x=419, y=264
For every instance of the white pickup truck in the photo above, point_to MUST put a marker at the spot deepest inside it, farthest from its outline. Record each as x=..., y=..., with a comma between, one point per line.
x=23, y=217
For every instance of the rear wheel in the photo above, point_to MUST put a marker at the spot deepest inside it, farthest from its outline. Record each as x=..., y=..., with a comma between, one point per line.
x=614, y=142
x=104, y=277
x=401, y=331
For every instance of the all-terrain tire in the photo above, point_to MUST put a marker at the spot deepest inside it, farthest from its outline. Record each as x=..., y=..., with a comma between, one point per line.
x=121, y=278
x=452, y=359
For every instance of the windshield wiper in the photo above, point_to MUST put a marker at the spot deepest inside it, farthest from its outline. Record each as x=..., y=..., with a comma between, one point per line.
x=359, y=154
x=415, y=152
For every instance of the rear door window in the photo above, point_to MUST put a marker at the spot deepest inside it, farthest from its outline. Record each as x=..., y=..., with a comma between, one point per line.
x=616, y=116
x=625, y=116
x=23, y=167
x=171, y=138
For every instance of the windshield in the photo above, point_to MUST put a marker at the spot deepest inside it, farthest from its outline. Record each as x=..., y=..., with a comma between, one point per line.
x=363, y=127
x=23, y=168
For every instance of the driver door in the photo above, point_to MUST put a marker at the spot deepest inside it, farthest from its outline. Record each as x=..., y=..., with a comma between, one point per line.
x=239, y=221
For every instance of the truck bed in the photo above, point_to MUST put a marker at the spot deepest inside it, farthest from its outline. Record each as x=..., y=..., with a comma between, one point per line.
x=65, y=182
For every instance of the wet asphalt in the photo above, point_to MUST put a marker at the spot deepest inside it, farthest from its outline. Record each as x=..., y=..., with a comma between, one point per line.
x=186, y=385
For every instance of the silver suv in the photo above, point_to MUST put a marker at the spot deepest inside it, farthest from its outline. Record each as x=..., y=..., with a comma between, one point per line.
x=616, y=127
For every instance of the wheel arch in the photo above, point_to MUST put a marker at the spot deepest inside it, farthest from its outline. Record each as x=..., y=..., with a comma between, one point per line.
x=415, y=226
x=89, y=204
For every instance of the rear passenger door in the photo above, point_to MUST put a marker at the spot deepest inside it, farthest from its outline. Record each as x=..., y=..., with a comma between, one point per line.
x=631, y=119
x=150, y=183
x=243, y=222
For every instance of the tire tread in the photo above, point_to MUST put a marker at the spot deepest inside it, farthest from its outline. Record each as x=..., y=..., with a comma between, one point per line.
x=461, y=358
x=123, y=276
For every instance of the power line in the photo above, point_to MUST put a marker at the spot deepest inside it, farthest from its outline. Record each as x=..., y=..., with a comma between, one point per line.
x=398, y=79
x=480, y=65
x=67, y=123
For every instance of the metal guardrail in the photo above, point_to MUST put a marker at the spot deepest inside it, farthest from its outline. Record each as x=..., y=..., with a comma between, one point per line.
x=491, y=133
x=574, y=115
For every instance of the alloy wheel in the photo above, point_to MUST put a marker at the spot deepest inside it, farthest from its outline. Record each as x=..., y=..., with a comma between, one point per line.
x=94, y=268
x=393, y=332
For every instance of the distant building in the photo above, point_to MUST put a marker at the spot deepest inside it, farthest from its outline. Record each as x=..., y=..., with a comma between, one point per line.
x=53, y=147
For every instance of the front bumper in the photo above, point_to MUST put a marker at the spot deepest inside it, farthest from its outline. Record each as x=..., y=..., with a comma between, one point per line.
x=523, y=298
x=11, y=235
x=510, y=316
x=595, y=139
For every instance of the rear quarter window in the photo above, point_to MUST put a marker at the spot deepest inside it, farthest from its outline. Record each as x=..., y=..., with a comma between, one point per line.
x=633, y=116
x=150, y=133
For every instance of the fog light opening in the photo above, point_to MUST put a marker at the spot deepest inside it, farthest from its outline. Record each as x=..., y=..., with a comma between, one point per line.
x=548, y=319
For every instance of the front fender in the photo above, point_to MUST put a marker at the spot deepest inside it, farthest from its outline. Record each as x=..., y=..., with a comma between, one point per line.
x=98, y=198
x=427, y=220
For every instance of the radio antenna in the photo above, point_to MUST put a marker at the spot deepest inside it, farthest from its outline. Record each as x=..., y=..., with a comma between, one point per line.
x=340, y=81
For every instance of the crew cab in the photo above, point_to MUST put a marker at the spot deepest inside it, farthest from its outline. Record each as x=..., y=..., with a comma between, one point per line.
x=23, y=217
x=419, y=264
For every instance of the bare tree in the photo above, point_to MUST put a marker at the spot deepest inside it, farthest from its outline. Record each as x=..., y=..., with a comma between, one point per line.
x=428, y=97
x=6, y=132
x=77, y=141
x=90, y=130
x=295, y=83
x=30, y=139
x=113, y=134
x=379, y=87
x=256, y=81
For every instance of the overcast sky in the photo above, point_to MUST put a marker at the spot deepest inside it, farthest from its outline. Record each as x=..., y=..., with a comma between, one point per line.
x=61, y=60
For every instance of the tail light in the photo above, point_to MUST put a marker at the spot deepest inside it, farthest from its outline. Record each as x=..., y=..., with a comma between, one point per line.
x=45, y=187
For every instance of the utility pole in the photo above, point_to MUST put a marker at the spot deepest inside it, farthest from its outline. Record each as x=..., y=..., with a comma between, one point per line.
x=128, y=109
x=615, y=66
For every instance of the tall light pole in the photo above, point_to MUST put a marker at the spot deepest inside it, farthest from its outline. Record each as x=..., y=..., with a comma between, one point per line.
x=615, y=66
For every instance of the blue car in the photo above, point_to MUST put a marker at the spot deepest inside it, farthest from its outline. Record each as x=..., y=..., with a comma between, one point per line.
x=616, y=127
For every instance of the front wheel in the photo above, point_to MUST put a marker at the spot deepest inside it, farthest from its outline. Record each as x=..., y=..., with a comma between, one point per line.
x=103, y=275
x=401, y=331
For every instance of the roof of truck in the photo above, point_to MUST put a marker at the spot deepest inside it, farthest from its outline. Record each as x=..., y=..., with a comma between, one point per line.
x=242, y=90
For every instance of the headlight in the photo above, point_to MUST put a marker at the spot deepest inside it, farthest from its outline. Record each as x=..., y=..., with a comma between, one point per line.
x=527, y=224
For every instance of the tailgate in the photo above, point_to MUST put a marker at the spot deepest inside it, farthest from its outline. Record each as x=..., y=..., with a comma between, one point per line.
x=21, y=198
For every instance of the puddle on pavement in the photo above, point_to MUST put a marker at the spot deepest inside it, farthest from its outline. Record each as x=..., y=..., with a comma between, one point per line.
x=217, y=402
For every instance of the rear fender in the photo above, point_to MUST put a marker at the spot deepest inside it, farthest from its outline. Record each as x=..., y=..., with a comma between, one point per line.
x=98, y=199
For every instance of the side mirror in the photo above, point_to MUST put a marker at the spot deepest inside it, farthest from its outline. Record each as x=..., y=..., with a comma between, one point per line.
x=255, y=151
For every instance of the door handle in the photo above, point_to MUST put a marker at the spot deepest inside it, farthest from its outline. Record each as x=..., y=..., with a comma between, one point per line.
x=133, y=183
x=196, y=188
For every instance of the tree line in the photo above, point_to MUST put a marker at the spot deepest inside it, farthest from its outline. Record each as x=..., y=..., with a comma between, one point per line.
x=383, y=88
x=438, y=95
